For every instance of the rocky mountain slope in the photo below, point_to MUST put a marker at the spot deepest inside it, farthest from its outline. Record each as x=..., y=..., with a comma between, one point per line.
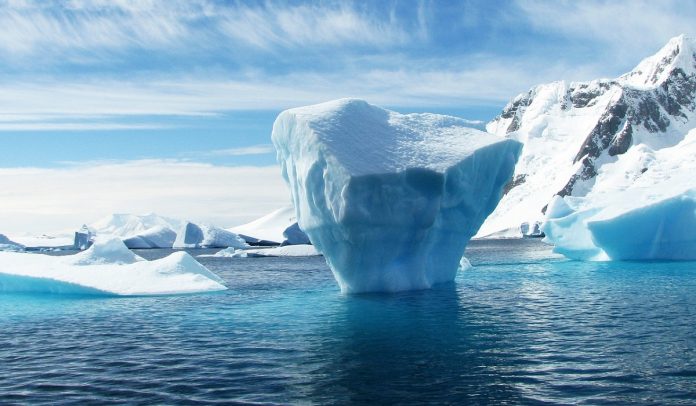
x=571, y=131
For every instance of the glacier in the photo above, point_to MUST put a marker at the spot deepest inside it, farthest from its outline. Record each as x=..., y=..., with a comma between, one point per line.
x=106, y=268
x=389, y=199
x=192, y=235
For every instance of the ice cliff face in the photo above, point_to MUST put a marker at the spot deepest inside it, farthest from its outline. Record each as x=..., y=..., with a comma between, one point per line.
x=571, y=131
x=391, y=200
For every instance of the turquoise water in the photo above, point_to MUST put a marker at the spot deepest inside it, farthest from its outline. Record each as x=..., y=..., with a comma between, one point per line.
x=523, y=326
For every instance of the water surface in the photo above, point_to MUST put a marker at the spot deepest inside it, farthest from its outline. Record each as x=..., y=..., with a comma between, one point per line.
x=522, y=326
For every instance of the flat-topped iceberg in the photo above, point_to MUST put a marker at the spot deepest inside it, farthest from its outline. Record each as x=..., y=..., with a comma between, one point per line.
x=107, y=268
x=192, y=235
x=391, y=200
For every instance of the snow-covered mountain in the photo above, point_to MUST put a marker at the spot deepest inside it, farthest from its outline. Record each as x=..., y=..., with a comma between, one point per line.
x=571, y=131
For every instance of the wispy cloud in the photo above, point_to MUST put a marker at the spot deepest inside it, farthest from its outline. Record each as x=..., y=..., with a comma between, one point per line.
x=86, y=29
x=43, y=199
x=627, y=30
x=259, y=149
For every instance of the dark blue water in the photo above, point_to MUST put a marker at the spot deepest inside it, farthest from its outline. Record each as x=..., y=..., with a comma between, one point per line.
x=521, y=327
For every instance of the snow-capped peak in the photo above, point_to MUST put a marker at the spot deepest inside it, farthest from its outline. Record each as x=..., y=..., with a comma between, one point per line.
x=678, y=53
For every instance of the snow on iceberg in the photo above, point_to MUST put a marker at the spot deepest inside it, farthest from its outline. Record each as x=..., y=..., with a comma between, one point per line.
x=203, y=236
x=108, y=267
x=8, y=245
x=391, y=200
x=299, y=250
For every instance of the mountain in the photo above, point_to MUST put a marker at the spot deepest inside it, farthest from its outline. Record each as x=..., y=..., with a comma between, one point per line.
x=570, y=131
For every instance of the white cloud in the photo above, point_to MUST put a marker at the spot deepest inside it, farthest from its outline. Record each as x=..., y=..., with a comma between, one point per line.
x=84, y=30
x=627, y=30
x=483, y=81
x=50, y=199
x=259, y=149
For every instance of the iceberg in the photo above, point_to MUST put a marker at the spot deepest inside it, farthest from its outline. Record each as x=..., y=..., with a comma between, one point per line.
x=390, y=200
x=8, y=245
x=628, y=226
x=276, y=228
x=107, y=268
x=203, y=236
x=299, y=250
x=83, y=238
x=155, y=237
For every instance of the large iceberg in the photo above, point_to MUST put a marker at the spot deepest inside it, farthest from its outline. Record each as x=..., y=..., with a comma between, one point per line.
x=204, y=236
x=391, y=200
x=108, y=267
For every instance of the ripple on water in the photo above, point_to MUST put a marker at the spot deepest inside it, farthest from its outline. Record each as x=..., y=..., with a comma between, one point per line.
x=522, y=326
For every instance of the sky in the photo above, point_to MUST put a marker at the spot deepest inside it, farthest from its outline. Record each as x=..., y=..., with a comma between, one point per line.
x=167, y=106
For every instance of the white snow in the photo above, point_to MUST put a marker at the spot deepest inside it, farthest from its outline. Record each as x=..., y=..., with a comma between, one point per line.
x=553, y=129
x=125, y=225
x=192, y=235
x=391, y=200
x=276, y=227
x=108, y=267
x=300, y=250
x=643, y=207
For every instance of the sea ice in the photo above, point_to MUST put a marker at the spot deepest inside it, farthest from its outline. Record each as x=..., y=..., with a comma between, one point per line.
x=203, y=236
x=300, y=250
x=391, y=200
x=108, y=267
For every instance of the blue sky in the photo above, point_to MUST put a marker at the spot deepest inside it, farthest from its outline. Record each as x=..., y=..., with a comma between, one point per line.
x=154, y=84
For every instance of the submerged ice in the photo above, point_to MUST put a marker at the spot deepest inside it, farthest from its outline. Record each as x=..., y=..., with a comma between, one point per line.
x=108, y=267
x=391, y=200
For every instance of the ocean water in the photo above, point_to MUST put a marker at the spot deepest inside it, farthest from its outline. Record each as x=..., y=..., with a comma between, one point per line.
x=521, y=327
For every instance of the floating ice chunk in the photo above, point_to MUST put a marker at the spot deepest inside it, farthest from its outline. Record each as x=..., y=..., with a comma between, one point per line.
x=155, y=237
x=203, y=236
x=628, y=225
x=295, y=236
x=8, y=245
x=391, y=200
x=277, y=227
x=83, y=238
x=108, y=267
x=300, y=250
x=105, y=250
